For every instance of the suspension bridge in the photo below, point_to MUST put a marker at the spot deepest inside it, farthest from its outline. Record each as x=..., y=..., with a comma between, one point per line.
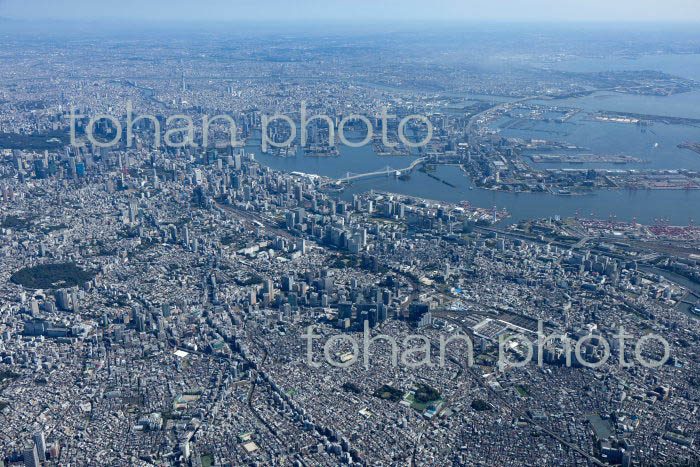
x=387, y=171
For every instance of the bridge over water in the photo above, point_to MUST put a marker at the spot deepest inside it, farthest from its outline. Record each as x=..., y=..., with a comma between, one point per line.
x=349, y=176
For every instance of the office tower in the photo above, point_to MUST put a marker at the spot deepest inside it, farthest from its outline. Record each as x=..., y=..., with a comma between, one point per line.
x=327, y=284
x=235, y=182
x=186, y=235
x=287, y=283
x=386, y=297
x=344, y=310
x=39, y=169
x=381, y=313
x=299, y=215
x=31, y=456
x=75, y=303
x=40, y=443
x=54, y=450
x=140, y=322
x=425, y=320
x=253, y=296
x=362, y=317
x=417, y=310
x=185, y=449
x=373, y=317
x=133, y=211
x=354, y=245
x=289, y=220
x=197, y=176
x=63, y=300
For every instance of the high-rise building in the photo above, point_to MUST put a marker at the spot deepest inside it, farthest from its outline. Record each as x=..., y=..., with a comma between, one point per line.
x=40, y=443
x=63, y=300
x=235, y=182
x=31, y=456
x=75, y=303
x=185, y=449
x=39, y=169
x=289, y=220
x=373, y=317
x=140, y=322
x=186, y=235
x=253, y=296
x=54, y=450
x=287, y=283
x=381, y=313
x=417, y=310
x=389, y=209
x=133, y=211
x=426, y=320
x=501, y=244
x=354, y=245
x=300, y=215
x=344, y=310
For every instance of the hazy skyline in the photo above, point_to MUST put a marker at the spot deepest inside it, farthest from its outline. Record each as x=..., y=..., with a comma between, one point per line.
x=360, y=10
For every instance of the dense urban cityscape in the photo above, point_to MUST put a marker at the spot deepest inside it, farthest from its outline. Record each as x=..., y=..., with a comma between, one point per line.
x=270, y=248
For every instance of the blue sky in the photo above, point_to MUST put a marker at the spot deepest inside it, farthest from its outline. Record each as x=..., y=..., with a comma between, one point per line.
x=356, y=10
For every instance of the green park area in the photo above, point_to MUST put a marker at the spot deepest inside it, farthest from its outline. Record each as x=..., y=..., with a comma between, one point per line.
x=52, y=276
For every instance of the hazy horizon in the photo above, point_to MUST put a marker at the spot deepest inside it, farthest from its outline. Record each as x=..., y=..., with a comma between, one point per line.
x=684, y=11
